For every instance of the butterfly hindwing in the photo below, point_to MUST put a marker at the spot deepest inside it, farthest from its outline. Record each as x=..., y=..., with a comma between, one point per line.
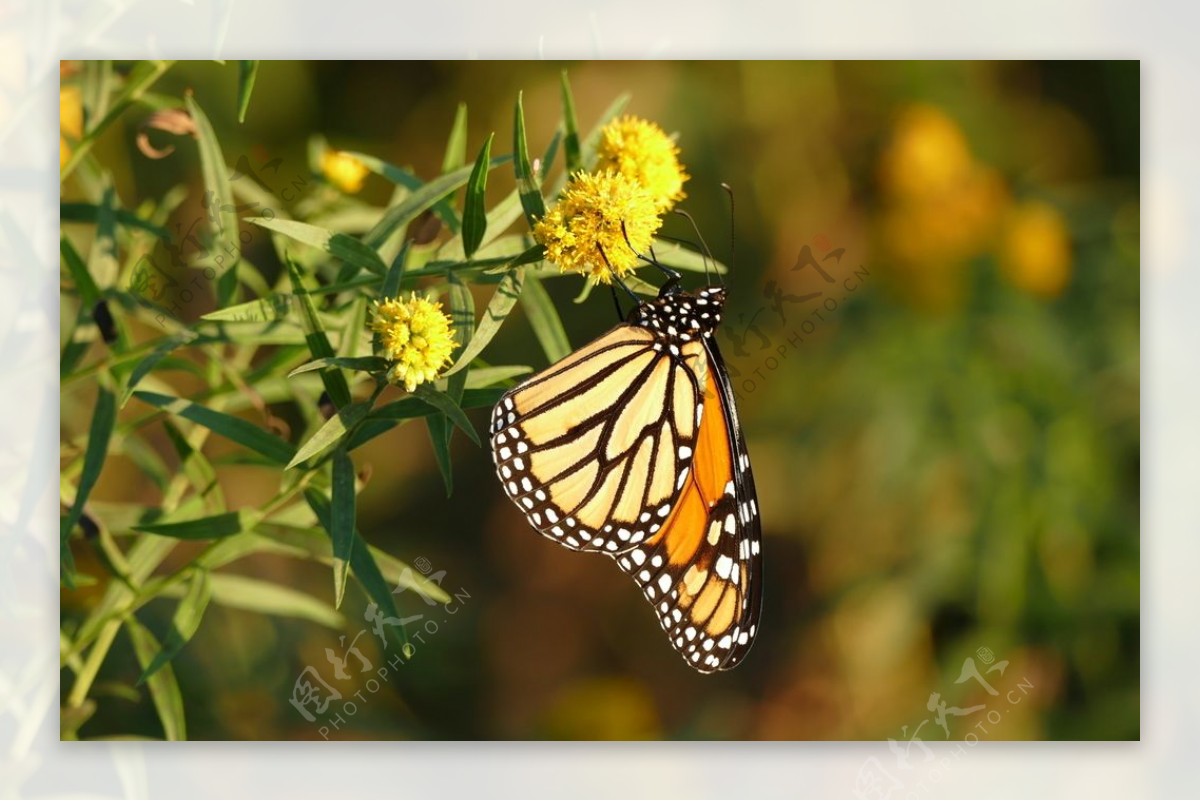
x=702, y=571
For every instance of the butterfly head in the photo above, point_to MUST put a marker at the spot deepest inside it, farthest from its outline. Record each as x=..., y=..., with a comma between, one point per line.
x=682, y=315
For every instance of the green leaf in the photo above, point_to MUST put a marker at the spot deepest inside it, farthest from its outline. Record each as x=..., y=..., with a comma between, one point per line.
x=276, y=306
x=103, y=420
x=96, y=77
x=164, y=689
x=456, y=145
x=89, y=293
x=212, y=527
x=462, y=316
x=486, y=376
x=102, y=259
x=674, y=254
x=571, y=146
x=314, y=542
x=318, y=343
x=77, y=342
x=144, y=74
x=363, y=564
x=494, y=315
x=247, y=74
x=395, y=274
x=160, y=352
x=90, y=212
x=331, y=433
x=421, y=199
x=527, y=182
x=444, y=403
x=339, y=245
x=475, y=221
x=341, y=526
x=217, y=190
x=443, y=207
x=240, y=431
x=266, y=598
x=187, y=619
x=196, y=467
x=544, y=320
x=439, y=436
x=369, y=364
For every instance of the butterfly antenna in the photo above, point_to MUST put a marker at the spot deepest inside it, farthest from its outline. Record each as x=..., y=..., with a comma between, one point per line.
x=616, y=302
x=732, y=227
x=672, y=275
x=700, y=237
x=633, y=296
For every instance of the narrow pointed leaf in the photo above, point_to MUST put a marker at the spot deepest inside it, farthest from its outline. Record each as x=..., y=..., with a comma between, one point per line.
x=364, y=567
x=497, y=311
x=247, y=74
x=571, y=142
x=370, y=364
x=544, y=320
x=212, y=527
x=527, y=183
x=456, y=144
x=318, y=343
x=341, y=529
x=444, y=403
x=217, y=190
x=184, y=624
x=240, y=431
x=331, y=433
x=340, y=246
x=420, y=199
x=475, y=220
x=103, y=419
x=164, y=689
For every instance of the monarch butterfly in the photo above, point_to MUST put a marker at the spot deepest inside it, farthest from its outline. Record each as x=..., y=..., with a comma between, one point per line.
x=631, y=447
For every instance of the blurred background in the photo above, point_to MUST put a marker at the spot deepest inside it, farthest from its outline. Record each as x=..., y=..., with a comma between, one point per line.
x=933, y=329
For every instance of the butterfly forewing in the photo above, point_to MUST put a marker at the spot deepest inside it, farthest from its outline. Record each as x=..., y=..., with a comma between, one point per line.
x=594, y=450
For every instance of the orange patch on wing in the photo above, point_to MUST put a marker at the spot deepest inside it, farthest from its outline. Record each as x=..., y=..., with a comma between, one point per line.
x=712, y=469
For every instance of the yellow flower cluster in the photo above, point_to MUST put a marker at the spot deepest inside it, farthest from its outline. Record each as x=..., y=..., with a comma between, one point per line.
x=641, y=150
x=637, y=178
x=583, y=232
x=343, y=170
x=943, y=208
x=416, y=336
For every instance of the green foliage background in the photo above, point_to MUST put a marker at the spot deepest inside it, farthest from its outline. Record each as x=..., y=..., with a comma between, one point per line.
x=947, y=461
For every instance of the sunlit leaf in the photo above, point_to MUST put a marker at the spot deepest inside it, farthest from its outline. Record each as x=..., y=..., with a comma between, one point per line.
x=184, y=624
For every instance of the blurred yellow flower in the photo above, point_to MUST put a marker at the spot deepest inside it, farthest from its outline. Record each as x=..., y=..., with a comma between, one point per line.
x=1035, y=253
x=641, y=150
x=343, y=170
x=942, y=207
x=582, y=231
x=927, y=154
x=416, y=336
x=70, y=120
